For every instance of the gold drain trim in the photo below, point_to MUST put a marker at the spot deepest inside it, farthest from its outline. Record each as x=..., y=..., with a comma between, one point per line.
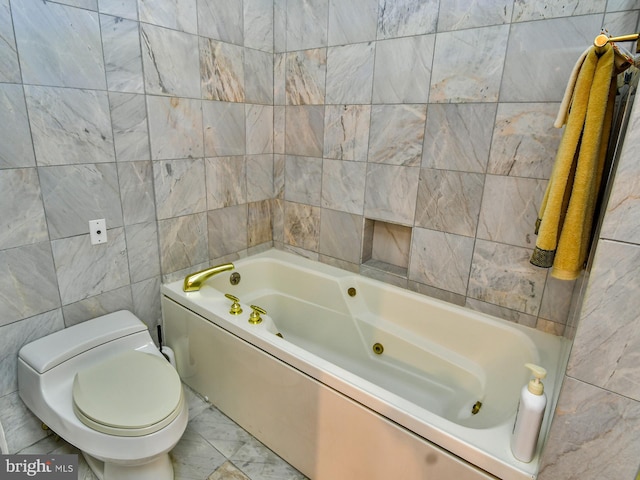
x=476, y=407
x=351, y=292
x=378, y=348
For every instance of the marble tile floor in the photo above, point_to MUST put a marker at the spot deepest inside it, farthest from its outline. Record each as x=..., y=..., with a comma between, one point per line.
x=213, y=447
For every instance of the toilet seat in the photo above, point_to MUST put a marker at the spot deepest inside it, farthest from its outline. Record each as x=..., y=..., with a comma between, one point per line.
x=130, y=395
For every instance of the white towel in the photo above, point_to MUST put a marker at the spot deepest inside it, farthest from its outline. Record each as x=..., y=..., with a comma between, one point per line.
x=561, y=119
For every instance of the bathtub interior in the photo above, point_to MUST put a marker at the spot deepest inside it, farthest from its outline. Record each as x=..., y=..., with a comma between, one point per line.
x=435, y=356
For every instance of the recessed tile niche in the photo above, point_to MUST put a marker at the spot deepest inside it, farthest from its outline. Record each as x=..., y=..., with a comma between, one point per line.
x=386, y=246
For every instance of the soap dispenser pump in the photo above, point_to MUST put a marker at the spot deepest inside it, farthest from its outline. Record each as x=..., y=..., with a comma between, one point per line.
x=526, y=428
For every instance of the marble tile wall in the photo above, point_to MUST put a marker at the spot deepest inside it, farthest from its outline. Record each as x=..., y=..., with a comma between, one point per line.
x=156, y=115
x=437, y=117
x=204, y=129
x=595, y=431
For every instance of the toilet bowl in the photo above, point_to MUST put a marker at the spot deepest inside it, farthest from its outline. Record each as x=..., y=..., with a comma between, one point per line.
x=104, y=387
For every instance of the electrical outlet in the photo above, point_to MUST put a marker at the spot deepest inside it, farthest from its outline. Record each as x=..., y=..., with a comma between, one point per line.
x=98, y=231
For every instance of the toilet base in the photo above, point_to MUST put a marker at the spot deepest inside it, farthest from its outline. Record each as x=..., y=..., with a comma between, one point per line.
x=160, y=468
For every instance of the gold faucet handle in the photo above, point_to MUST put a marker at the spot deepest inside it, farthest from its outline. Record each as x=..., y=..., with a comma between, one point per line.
x=236, y=309
x=254, y=318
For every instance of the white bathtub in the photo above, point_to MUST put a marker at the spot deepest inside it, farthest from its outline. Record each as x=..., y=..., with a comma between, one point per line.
x=322, y=399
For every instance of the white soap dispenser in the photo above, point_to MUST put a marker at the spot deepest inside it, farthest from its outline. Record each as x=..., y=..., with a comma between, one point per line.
x=526, y=428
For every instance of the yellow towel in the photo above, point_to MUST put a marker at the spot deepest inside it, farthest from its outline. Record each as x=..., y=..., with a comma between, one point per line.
x=561, y=119
x=622, y=60
x=566, y=214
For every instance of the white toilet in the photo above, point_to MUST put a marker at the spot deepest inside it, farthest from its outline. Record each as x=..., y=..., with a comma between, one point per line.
x=103, y=386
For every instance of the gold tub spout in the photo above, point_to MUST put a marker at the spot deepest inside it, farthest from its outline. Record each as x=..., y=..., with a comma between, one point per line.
x=193, y=282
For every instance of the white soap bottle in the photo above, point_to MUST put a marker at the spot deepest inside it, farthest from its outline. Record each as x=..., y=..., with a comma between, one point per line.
x=526, y=428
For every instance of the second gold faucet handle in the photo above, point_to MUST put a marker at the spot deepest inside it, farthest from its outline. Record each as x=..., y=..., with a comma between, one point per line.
x=236, y=309
x=254, y=318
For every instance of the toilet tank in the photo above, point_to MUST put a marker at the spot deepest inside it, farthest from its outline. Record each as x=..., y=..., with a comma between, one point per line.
x=50, y=351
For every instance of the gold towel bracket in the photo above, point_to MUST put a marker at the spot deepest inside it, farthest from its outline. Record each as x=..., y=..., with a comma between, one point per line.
x=602, y=39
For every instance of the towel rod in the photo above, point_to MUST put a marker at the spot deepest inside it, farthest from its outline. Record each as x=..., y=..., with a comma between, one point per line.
x=602, y=39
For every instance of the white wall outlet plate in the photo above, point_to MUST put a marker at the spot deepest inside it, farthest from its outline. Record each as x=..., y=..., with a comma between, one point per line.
x=98, y=231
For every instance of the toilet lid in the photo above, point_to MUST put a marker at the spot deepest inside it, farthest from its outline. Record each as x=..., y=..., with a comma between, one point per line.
x=131, y=394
